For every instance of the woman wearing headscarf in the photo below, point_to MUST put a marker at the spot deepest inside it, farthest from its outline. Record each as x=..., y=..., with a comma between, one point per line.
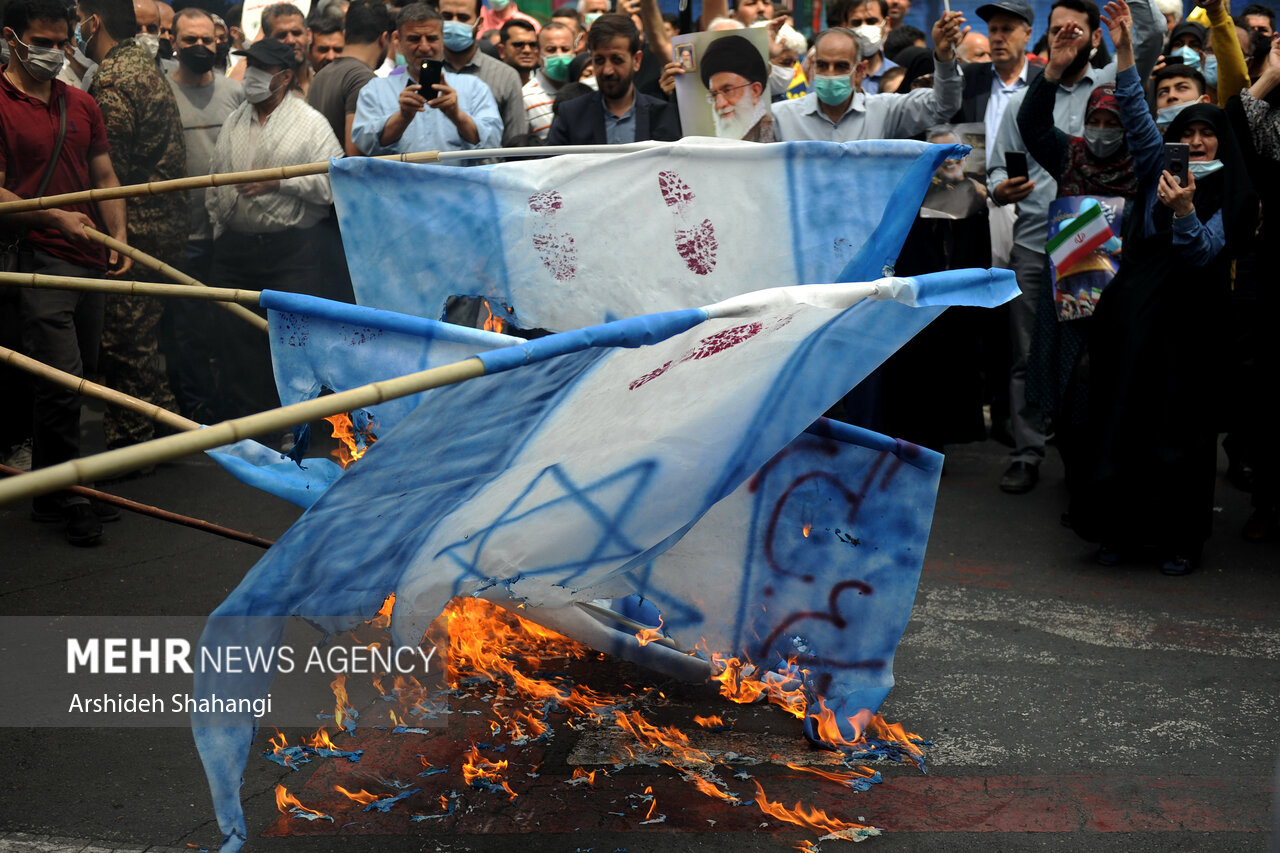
x=1152, y=352
x=1098, y=163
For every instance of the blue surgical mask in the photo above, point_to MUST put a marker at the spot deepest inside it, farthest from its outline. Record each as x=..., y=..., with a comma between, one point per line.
x=591, y=18
x=82, y=43
x=1211, y=71
x=458, y=36
x=1204, y=168
x=1190, y=58
x=833, y=91
x=1165, y=116
x=499, y=5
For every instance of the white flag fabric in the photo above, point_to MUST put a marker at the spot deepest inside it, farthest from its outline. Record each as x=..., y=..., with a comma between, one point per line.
x=580, y=239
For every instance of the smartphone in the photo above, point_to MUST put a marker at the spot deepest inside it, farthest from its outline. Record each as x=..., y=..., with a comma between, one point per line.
x=430, y=73
x=1015, y=163
x=1176, y=155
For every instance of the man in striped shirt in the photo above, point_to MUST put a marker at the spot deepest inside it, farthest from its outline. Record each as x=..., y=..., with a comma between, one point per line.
x=555, y=49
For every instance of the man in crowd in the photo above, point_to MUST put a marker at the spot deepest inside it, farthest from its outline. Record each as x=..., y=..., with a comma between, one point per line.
x=518, y=46
x=750, y=11
x=206, y=100
x=265, y=233
x=589, y=11
x=463, y=56
x=166, y=29
x=325, y=41
x=898, y=10
x=59, y=328
x=619, y=113
x=144, y=130
x=1174, y=88
x=1260, y=18
x=336, y=89
x=1033, y=193
x=974, y=47
x=568, y=15
x=393, y=115
x=555, y=50
x=499, y=13
x=737, y=81
x=869, y=22
x=836, y=111
x=147, y=14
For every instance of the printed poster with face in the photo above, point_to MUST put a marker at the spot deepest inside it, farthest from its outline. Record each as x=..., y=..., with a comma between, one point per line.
x=724, y=91
x=1076, y=289
x=959, y=187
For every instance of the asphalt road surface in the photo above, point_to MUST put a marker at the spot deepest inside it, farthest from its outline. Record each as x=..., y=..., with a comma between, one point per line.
x=1070, y=706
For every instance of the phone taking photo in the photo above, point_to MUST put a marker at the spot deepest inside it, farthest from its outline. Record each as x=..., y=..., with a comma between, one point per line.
x=1015, y=163
x=430, y=72
x=1176, y=157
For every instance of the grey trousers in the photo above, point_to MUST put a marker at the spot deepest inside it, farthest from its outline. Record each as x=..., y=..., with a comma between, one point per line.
x=1027, y=425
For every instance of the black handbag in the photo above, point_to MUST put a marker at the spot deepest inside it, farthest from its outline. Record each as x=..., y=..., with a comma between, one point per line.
x=11, y=248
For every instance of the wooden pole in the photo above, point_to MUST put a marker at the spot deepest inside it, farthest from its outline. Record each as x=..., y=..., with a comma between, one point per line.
x=93, y=389
x=141, y=288
x=170, y=272
x=116, y=462
x=156, y=512
x=280, y=173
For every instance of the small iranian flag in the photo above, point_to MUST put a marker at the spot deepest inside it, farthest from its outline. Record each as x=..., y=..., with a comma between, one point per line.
x=1078, y=238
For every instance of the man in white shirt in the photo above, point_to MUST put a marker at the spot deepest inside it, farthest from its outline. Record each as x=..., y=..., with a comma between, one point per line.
x=835, y=111
x=266, y=233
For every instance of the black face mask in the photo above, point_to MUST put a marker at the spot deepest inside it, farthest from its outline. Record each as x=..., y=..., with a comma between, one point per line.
x=197, y=59
x=224, y=51
x=165, y=50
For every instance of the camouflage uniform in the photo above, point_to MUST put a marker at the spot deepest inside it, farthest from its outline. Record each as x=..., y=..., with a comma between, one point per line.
x=145, y=132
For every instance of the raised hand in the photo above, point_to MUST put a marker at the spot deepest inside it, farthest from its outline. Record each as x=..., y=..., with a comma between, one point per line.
x=1063, y=49
x=1120, y=23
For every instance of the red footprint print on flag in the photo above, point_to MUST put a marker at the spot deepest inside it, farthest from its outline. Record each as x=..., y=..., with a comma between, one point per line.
x=557, y=251
x=697, y=244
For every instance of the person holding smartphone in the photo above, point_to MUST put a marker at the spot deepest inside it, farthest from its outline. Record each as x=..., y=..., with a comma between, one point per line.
x=399, y=114
x=1154, y=358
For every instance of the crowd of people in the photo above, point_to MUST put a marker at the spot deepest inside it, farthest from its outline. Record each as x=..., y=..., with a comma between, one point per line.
x=1161, y=346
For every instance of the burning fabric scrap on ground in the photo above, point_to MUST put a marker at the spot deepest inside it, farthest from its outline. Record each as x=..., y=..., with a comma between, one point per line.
x=662, y=488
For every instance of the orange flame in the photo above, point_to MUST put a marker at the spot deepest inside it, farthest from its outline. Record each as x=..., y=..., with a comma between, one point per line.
x=339, y=687
x=808, y=528
x=492, y=323
x=579, y=773
x=653, y=801
x=383, y=619
x=353, y=445
x=801, y=816
x=363, y=798
x=709, y=788
x=479, y=768
x=741, y=682
x=648, y=635
x=319, y=740
x=285, y=801
x=839, y=778
x=711, y=722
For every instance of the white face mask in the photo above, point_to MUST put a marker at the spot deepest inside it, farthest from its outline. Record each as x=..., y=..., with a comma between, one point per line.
x=870, y=37
x=42, y=63
x=150, y=43
x=780, y=78
x=257, y=85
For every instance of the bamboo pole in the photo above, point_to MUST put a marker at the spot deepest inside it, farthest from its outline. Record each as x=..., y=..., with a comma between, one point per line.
x=116, y=462
x=140, y=288
x=156, y=512
x=279, y=173
x=170, y=272
x=93, y=389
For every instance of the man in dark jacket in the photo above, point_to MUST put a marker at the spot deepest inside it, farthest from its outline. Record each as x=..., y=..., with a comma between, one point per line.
x=619, y=113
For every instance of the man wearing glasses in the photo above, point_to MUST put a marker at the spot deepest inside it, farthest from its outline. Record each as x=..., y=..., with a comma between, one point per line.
x=737, y=82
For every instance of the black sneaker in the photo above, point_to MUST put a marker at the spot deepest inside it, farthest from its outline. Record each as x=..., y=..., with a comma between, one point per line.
x=105, y=512
x=1020, y=478
x=83, y=527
